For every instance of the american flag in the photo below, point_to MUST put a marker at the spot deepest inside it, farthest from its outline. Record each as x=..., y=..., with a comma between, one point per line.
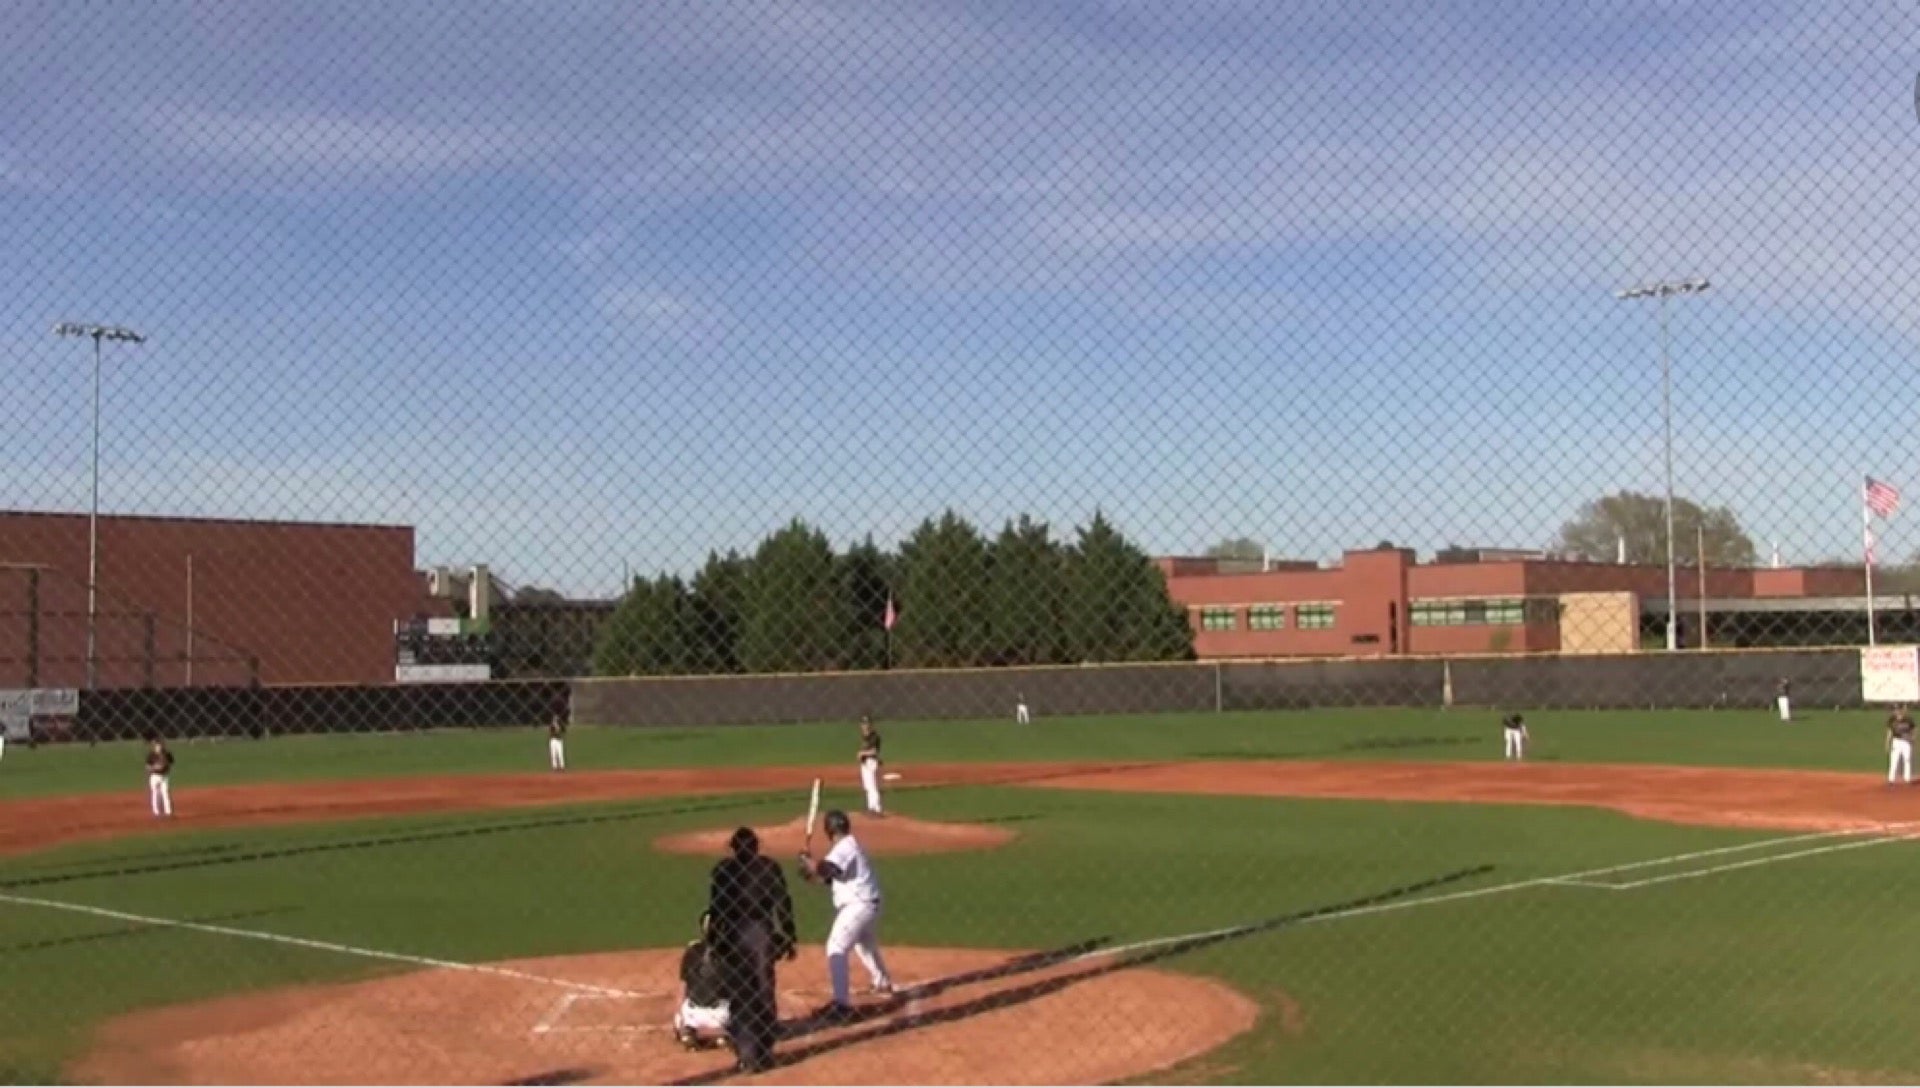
x=1882, y=498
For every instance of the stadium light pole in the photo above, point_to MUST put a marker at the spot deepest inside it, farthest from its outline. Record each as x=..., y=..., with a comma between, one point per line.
x=1662, y=291
x=98, y=334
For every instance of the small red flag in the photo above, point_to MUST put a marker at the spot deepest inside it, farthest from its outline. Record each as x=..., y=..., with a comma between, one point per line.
x=891, y=614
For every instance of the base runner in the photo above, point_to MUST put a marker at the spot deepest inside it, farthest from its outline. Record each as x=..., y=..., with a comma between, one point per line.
x=1900, y=747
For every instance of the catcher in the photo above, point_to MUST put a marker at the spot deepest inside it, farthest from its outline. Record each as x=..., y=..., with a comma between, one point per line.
x=702, y=1019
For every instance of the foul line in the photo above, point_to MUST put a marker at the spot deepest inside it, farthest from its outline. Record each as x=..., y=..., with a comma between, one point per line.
x=1881, y=836
x=318, y=946
x=1563, y=880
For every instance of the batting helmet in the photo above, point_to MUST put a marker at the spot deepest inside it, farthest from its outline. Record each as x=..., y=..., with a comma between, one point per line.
x=837, y=823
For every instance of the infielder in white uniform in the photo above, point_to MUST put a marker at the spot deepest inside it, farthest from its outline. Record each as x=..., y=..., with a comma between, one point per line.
x=1515, y=728
x=870, y=766
x=1020, y=713
x=856, y=918
x=1900, y=747
x=159, y=773
x=557, y=744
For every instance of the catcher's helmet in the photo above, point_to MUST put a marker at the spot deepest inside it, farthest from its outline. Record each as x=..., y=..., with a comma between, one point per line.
x=837, y=823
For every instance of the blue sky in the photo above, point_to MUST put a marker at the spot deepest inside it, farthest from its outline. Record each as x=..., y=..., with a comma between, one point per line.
x=576, y=284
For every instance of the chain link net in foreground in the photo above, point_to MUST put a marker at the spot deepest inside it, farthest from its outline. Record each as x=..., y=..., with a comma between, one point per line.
x=419, y=368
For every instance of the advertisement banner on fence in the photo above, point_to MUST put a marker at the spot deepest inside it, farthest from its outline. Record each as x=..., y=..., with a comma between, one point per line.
x=22, y=708
x=442, y=674
x=1890, y=674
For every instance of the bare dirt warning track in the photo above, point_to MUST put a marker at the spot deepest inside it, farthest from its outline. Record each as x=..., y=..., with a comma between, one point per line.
x=961, y=1017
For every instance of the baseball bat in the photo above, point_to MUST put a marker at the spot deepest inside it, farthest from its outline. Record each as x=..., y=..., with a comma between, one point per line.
x=813, y=813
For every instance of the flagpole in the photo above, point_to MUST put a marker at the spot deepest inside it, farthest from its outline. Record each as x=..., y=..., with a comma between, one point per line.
x=1866, y=541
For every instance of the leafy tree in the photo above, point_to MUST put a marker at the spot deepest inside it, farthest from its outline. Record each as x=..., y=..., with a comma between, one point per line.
x=1597, y=529
x=794, y=614
x=647, y=635
x=943, y=592
x=718, y=598
x=1118, y=608
x=866, y=579
x=1238, y=547
x=1027, y=597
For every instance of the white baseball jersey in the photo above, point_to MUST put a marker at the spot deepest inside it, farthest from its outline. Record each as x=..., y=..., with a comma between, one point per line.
x=857, y=883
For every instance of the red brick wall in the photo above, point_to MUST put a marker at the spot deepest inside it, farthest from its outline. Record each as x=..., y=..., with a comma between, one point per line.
x=315, y=603
x=1368, y=582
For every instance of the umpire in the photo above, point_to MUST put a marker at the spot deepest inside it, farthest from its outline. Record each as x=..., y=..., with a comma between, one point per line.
x=752, y=927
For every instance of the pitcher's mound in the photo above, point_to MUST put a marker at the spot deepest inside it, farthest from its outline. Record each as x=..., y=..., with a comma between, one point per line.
x=882, y=836
x=960, y=1017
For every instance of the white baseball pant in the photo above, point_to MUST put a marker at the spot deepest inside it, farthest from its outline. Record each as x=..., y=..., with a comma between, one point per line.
x=1900, y=760
x=1516, y=744
x=1020, y=714
x=159, y=795
x=870, y=781
x=856, y=929
x=557, y=753
x=1786, y=708
x=3, y=744
x=701, y=1020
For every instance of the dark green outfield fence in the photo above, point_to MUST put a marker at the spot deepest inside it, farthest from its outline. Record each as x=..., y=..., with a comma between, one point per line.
x=1825, y=678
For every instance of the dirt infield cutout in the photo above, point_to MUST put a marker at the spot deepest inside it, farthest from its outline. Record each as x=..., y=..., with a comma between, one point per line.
x=893, y=835
x=961, y=1016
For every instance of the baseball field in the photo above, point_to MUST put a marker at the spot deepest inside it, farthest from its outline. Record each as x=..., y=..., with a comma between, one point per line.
x=1314, y=896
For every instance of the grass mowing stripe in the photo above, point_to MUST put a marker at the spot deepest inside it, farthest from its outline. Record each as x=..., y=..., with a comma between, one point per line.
x=319, y=946
x=1210, y=936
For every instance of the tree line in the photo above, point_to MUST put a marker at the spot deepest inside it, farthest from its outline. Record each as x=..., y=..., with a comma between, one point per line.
x=960, y=600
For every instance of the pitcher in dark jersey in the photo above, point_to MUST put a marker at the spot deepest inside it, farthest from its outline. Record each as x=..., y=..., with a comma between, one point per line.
x=870, y=765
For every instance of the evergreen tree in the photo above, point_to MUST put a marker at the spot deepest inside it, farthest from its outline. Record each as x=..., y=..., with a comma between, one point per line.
x=866, y=578
x=794, y=616
x=943, y=593
x=647, y=635
x=718, y=597
x=1027, y=597
x=1118, y=608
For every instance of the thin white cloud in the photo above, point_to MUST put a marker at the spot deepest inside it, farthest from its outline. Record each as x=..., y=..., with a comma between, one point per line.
x=663, y=314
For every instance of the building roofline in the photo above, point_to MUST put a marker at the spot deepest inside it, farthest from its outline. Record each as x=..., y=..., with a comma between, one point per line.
x=1889, y=602
x=178, y=519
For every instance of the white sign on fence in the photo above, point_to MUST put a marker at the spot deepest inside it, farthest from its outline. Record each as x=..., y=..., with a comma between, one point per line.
x=442, y=674
x=20, y=706
x=1890, y=674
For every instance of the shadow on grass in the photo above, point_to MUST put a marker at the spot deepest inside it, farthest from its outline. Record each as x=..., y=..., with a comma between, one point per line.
x=1089, y=952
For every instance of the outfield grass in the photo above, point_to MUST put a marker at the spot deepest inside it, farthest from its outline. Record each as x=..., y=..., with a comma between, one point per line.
x=1835, y=740
x=1793, y=971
